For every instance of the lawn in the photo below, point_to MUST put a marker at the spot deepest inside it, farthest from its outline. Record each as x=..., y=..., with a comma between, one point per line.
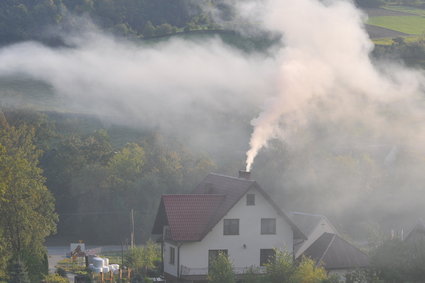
x=414, y=25
x=406, y=9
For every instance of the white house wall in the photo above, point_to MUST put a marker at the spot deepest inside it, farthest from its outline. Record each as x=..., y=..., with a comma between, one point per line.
x=195, y=254
x=170, y=268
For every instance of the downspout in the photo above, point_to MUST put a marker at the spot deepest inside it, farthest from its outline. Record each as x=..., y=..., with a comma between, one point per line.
x=178, y=260
x=162, y=256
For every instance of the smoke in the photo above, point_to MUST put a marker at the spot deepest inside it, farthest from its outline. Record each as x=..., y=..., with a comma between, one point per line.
x=326, y=57
x=350, y=130
x=193, y=88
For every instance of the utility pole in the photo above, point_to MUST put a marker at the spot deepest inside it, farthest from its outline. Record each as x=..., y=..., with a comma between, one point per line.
x=132, y=229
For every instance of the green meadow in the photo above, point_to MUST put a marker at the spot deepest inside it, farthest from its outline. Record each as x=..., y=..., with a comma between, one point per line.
x=414, y=25
x=406, y=9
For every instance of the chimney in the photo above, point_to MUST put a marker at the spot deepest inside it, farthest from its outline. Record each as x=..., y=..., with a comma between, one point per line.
x=244, y=174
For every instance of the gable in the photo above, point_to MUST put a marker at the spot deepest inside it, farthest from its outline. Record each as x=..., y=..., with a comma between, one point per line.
x=234, y=189
x=308, y=223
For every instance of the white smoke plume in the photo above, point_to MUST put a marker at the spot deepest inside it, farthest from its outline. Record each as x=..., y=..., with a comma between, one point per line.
x=177, y=86
x=326, y=56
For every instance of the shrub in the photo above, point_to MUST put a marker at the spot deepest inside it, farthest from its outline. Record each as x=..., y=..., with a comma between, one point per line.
x=55, y=278
x=221, y=270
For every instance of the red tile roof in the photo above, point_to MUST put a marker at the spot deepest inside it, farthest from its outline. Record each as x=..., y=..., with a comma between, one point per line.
x=191, y=216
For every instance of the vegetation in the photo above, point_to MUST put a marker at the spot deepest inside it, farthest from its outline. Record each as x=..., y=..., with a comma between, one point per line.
x=18, y=272
x=25, y=19
x=221, y=270
x=280, y=269
x=308, y=272
x=95, y=178
x=27, y=214
x=413, y=53
x=406, y=24
x=97, y=175
x=400, y=261
x=143, y=258
x=55, y=278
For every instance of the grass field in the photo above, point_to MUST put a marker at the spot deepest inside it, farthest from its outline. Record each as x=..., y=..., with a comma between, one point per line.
x=406, y=9
x=389, y=41
x=414, y=25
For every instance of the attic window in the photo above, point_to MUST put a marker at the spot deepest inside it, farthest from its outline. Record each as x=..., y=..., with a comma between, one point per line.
x=250, y=199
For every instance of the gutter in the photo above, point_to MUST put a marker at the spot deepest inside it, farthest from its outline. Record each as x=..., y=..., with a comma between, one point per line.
x=178, y=259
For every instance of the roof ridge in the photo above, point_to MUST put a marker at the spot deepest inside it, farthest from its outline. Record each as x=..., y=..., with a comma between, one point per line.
x=306, y=213
x=167, y=195
x=231, y=177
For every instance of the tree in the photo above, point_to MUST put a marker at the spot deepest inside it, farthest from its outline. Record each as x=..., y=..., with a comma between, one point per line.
x=253, y=275
x=281, y=268
x=18, y=272
x=308, y=272
x=143, y=258
x=27, y=214
x=221, y=270
x=389, y=259
x=149, y=29
x=165, y=29
x=55, y=278
x=127, y=164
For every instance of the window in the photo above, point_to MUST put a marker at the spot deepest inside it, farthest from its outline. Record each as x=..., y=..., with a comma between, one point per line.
x=250, y=199
x=231, y=227
x=213, y=254
x=266, y=256
x=172, y=255
x=268, y=226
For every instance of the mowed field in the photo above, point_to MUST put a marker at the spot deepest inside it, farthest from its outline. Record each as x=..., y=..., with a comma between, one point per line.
x=394, y=21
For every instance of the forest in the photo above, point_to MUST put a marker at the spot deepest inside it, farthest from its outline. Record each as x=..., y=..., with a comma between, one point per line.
x=83, y=181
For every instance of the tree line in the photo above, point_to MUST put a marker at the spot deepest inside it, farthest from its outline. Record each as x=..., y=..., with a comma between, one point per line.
x=34, y=20
x=68, y=176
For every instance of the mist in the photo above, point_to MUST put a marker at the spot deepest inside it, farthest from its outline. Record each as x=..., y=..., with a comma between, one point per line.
x=190, y=88
x=333, y=132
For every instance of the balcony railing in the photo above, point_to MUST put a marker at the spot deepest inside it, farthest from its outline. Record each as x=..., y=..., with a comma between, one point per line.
x=188, y=271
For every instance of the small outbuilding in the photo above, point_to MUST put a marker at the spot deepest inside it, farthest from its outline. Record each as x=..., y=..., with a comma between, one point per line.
x=336, y=255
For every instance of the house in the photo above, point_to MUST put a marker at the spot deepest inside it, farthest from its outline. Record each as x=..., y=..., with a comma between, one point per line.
x=336, y=255
x=313, y=226
x=325, y=246
x=223, y=214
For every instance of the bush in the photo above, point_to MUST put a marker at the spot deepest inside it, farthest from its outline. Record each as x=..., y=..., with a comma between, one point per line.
x=281, y=268
x=55, y=278
x=221, y=270
x=308, y=272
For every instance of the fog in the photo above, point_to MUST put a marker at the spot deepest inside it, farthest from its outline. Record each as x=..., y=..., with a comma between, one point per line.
x=335, y=132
